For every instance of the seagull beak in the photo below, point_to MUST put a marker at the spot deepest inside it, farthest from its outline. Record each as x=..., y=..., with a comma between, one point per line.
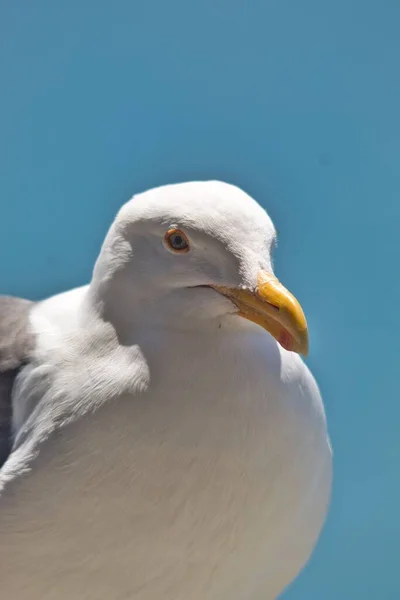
x=273, y=307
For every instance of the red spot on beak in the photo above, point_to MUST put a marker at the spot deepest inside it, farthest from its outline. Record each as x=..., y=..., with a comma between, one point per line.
x=286, y=340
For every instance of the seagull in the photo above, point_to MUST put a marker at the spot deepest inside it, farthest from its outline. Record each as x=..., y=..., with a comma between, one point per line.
x=161, y=437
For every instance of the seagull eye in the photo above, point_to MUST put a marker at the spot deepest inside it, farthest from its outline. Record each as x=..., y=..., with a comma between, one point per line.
x=176, y=240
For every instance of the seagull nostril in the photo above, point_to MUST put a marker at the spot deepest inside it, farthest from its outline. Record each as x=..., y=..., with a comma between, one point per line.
x=274, y=306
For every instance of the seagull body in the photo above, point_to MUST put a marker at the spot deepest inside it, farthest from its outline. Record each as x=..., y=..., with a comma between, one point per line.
x=166, y=440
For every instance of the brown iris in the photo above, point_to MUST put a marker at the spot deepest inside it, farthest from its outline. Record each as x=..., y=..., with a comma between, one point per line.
x=176, y=240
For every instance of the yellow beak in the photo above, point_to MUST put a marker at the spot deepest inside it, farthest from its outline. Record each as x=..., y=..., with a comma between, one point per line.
x=273, y=307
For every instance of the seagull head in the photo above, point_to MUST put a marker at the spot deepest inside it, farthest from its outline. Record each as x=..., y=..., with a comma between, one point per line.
x=195, y=254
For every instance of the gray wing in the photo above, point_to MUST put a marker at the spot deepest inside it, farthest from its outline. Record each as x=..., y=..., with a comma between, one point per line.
x=16, y=345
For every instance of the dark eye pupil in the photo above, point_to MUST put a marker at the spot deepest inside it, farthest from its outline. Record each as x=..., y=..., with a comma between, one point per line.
x=178, y=242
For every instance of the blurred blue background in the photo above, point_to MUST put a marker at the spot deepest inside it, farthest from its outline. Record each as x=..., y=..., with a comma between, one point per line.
x=295, y=101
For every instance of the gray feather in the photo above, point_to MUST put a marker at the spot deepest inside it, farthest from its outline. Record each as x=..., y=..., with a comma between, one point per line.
x=16, y=345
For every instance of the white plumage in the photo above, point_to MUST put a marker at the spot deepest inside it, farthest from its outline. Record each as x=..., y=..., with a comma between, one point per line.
x=164, y=448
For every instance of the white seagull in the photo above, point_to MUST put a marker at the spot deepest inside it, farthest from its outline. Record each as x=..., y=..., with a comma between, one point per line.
x=161, y=437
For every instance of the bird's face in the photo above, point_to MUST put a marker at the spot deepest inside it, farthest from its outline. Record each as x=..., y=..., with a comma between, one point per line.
x=199, y=252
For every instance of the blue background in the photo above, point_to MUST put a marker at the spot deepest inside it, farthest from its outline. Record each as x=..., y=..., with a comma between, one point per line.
x=295, y=101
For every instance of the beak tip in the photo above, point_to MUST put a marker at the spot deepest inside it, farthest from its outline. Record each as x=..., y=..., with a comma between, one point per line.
x=304, y=346
x=294, y=341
